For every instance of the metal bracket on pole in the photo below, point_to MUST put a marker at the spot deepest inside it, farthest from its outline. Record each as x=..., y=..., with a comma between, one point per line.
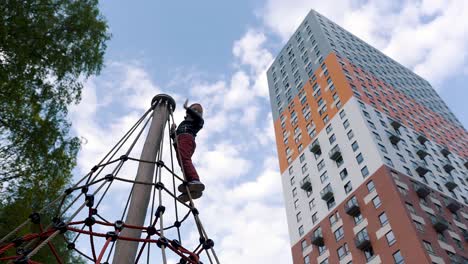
x=125, y=251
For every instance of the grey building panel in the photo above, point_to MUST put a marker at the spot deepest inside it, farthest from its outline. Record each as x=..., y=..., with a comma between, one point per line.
x=292, y=68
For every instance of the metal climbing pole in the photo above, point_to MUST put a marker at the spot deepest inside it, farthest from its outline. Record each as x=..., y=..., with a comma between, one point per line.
x=125, y=251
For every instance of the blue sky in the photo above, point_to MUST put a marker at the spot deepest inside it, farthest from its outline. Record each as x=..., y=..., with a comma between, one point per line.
x=216, y=53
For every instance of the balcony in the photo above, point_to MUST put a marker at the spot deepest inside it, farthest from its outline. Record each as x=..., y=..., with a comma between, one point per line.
x=327, y=193
x=362, y=241
x=306, y=185
x=394, y=138
x=466, y=164
x=448, y=167
x=450, y=183
x=452, y=205
x=352, y=207
x=465, y=236
x=422, y=190
x=315, y=147
x=439, y=223
x=317, y=239
x=421, y=169
x=396, y=124
x=421, y=138
x=335, y=153
x=422, y=153
x=445, y=151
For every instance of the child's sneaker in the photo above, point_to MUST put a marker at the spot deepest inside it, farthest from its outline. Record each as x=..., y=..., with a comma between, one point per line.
x=184, y=197
x=194, y=186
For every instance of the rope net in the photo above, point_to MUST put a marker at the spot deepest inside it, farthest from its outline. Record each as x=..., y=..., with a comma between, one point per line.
x=92, y=231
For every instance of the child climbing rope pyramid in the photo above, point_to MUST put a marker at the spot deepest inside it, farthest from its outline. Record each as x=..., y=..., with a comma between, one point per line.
x=184, y=143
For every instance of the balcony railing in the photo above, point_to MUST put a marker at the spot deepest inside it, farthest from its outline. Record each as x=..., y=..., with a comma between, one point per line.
x=326, y=193
x=421, y=138
x=422, y=153
x=352, y=207
x=452, y=205
x=445, y=151
x=422, y=190
x=315, y=147
x=448, y=167
x=362, y=241
x=394, y=138
x=335, y=153
x=317, y=239
x=396, y=124
x=439, y=223
x=421, y=169
x=450, y=183
x=306, y=185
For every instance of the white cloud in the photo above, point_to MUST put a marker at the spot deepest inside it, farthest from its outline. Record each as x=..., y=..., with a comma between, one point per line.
x=250, y=51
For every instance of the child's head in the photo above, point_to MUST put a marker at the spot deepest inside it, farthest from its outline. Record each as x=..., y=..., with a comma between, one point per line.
x=197, y=107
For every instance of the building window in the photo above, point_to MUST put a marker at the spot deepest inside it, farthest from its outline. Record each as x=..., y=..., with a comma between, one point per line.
x=458, y=243
x=355, y=146
x=348, y=187
x=304, y=244
x=410, y=207
x=298, y=217
x=390, y=238
x=377, y=136
x=294, y=192
x=346, y=124
x=301, y=230
x=302, y=157
x=388, y=161
x=350, y=134
x=342, y=114
x=339, y=233
x=331, y=203
x=398, y=258
x=296, y=203
x=343, y=251
x=370, y=186
x=376, y=201
x=329, y=128
x=312, y=204
x=306, y=260
x=334, y=218
x=323, y=177
x=332, y=139
x=320, y=165
x=365, y=171
x=343, y=174
x=325, y=261
x=369, y=253
x=314, y=218
x=292, y=180
x=304, y=168
x=358, y=218
x=418, y=225
x=359, y=158
x=382, y=148
x=383, y=219
x=322, y=249
x=428, y=247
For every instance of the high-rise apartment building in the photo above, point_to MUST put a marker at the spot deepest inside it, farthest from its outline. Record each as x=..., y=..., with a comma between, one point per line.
x=373, y=163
